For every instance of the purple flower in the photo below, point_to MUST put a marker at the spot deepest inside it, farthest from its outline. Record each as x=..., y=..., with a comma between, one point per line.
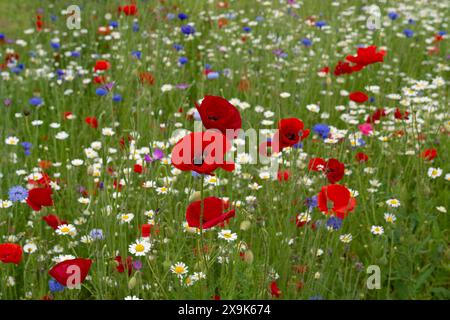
x=158, y=154
x=183, y=86
x=137, y=265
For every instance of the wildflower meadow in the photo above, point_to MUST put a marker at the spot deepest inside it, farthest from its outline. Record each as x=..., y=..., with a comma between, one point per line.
x=216, y=150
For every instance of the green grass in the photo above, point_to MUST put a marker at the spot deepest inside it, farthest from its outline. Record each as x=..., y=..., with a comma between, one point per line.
x=412, y=253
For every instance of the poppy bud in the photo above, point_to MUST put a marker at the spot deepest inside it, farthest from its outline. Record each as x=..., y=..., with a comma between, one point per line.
x=245, y=225
x=195, y=196
x=132, y=283
x=166, y=264
x=248, y=256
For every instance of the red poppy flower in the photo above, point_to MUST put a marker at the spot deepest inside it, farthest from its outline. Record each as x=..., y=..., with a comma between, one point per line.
x=376, y=116
x=44, y=181
x=274, y=290
x=146, y=78
x=325, y=69
x=202, y=152
x=39, y=197
x=104, y=31
x=10, y=253
x=129, y=10
x=290, y=132
x=146, y=230
x=429, y=154
x=283, y=175
x=71, y=272
x=101, y=65
x=332, y=168
x=401, y=116
x=218, y=113
x=342, y=68
x=121, y=267
x=361, y=157
x=366, y=56
x=53, y=221
x=316, y=164
x=92, y=122
x=68, y=115
x=213, y=213
x=100, y=79
x=358, y=96
x=39, y=23
x=335, y=199
x=137, y=168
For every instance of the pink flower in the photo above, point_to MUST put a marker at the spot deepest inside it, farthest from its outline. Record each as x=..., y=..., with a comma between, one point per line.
x=366, y=128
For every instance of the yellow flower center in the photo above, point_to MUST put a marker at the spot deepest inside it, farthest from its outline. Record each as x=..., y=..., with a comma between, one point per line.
x=179, y=269
x=65, y=230
x=140, y=248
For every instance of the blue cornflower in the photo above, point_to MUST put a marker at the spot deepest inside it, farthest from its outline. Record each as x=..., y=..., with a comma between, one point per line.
x=196, y=174
x=247, y=29
x=311, y=203
x=393, y=15
x=96, y=234
x=182, y=16
x=26, y=147
x=306, y=42
x=408, y=33
x=371, y=99
x=182, y=60
x=101, y=91
x=170, y=16
x=187, y=29
x=55, y=286
x=75, y=54
x=16, y=70
x=178, y=47
x=317, y=297
x=442, y=33
x=213, y=75
x=411, y=21
x=35, y=101
x=136, y=54
x=361, y=142
x=55, y=45
x=113, y=24
x=334, y=222
x=320, y=24
x=117, y=98
x=196, y=116
x=322, y=130
x=135, y=26
x=17, y=193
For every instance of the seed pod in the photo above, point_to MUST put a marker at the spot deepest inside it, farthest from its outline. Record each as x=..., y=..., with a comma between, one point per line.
x=245, y=225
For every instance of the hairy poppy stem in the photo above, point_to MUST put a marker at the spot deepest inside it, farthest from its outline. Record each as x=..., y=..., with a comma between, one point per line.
x=202, y=204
